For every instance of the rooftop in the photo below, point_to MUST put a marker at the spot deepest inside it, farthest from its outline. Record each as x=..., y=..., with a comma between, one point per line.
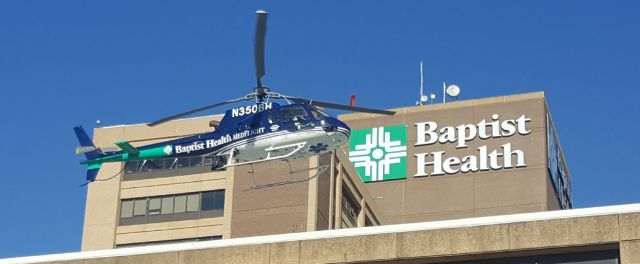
x=594, y=228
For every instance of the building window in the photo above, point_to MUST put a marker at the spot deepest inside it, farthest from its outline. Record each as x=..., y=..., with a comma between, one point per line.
x=350, y=209
x=154, y=206
x=173, y=207
x=367, y=222
x=139, y=207
x=180, y=204
x=212, y=203
x=167, y=205
x=193, y=202
x=126, y=210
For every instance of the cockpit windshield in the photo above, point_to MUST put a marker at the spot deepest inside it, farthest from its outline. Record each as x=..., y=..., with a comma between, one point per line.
x=318, y=114
x=295, y=113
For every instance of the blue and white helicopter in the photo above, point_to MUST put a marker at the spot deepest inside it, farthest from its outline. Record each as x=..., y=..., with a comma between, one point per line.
x=264, y=131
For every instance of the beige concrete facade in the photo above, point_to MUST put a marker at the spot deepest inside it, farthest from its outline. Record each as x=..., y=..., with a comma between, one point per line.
x=470, y=194
x=336, y=198
x=613, y=229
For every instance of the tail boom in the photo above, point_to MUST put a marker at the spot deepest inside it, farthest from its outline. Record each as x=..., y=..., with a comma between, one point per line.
x=95, y=157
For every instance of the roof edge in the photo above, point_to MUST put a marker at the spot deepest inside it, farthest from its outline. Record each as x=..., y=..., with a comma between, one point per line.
x=449, y=105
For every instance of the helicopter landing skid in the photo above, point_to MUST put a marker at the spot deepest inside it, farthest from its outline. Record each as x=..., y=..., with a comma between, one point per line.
x=296, y=148
x=320, y=169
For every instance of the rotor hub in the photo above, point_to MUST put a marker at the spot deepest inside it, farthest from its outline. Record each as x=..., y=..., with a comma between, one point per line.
x=262, y=93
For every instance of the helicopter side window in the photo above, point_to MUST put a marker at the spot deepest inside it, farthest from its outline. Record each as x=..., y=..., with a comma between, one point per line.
x=294, y=113
x=272, y=117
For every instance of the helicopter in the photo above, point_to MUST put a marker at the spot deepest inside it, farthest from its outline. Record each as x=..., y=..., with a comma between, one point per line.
x=259, y=132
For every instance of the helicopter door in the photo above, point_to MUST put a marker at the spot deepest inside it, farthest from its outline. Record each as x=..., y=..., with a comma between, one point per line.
x=295, y=117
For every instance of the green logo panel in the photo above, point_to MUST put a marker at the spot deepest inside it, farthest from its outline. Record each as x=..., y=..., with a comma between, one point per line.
x=379, y=153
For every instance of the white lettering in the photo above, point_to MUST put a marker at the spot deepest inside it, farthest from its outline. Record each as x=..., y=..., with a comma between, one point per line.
x=508, y=155
x=483, y=158
x=423, y=131
x=448, y=135
x=469, y=163
x=482, y=132
x=428, y=133
x=250, y=109
x=508, y=128
x=493, y=160
x=522, y=125
x=446, y=165
x=465, y=133
x=421, y=163
x=195, y=146
x=495, y=126
x=436, y=163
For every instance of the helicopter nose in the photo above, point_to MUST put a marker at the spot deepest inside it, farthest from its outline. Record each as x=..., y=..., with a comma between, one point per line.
x=334, y=125
x=328, y=126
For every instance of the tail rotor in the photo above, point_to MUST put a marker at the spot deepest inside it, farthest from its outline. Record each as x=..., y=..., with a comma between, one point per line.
x=90, y=152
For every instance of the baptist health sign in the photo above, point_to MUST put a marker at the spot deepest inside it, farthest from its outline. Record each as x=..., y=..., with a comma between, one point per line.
x=380, y=153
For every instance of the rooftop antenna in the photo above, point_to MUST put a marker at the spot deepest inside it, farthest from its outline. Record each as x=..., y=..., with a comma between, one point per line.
x=452, y=90
x=444, y=93
x=423, y=98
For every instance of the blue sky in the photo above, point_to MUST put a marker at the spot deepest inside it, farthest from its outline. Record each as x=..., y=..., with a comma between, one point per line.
x=66, y=63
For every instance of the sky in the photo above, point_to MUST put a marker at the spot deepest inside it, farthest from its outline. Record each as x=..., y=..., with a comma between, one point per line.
x=67, y=63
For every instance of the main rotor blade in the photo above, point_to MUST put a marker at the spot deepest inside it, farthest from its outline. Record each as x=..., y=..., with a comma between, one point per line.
x=156, y=138
x=166, y=119
x=341, y=106
x=261, y=32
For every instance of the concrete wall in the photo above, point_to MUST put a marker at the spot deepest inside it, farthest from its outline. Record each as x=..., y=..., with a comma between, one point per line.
x=273, y=210
x=593, y=229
